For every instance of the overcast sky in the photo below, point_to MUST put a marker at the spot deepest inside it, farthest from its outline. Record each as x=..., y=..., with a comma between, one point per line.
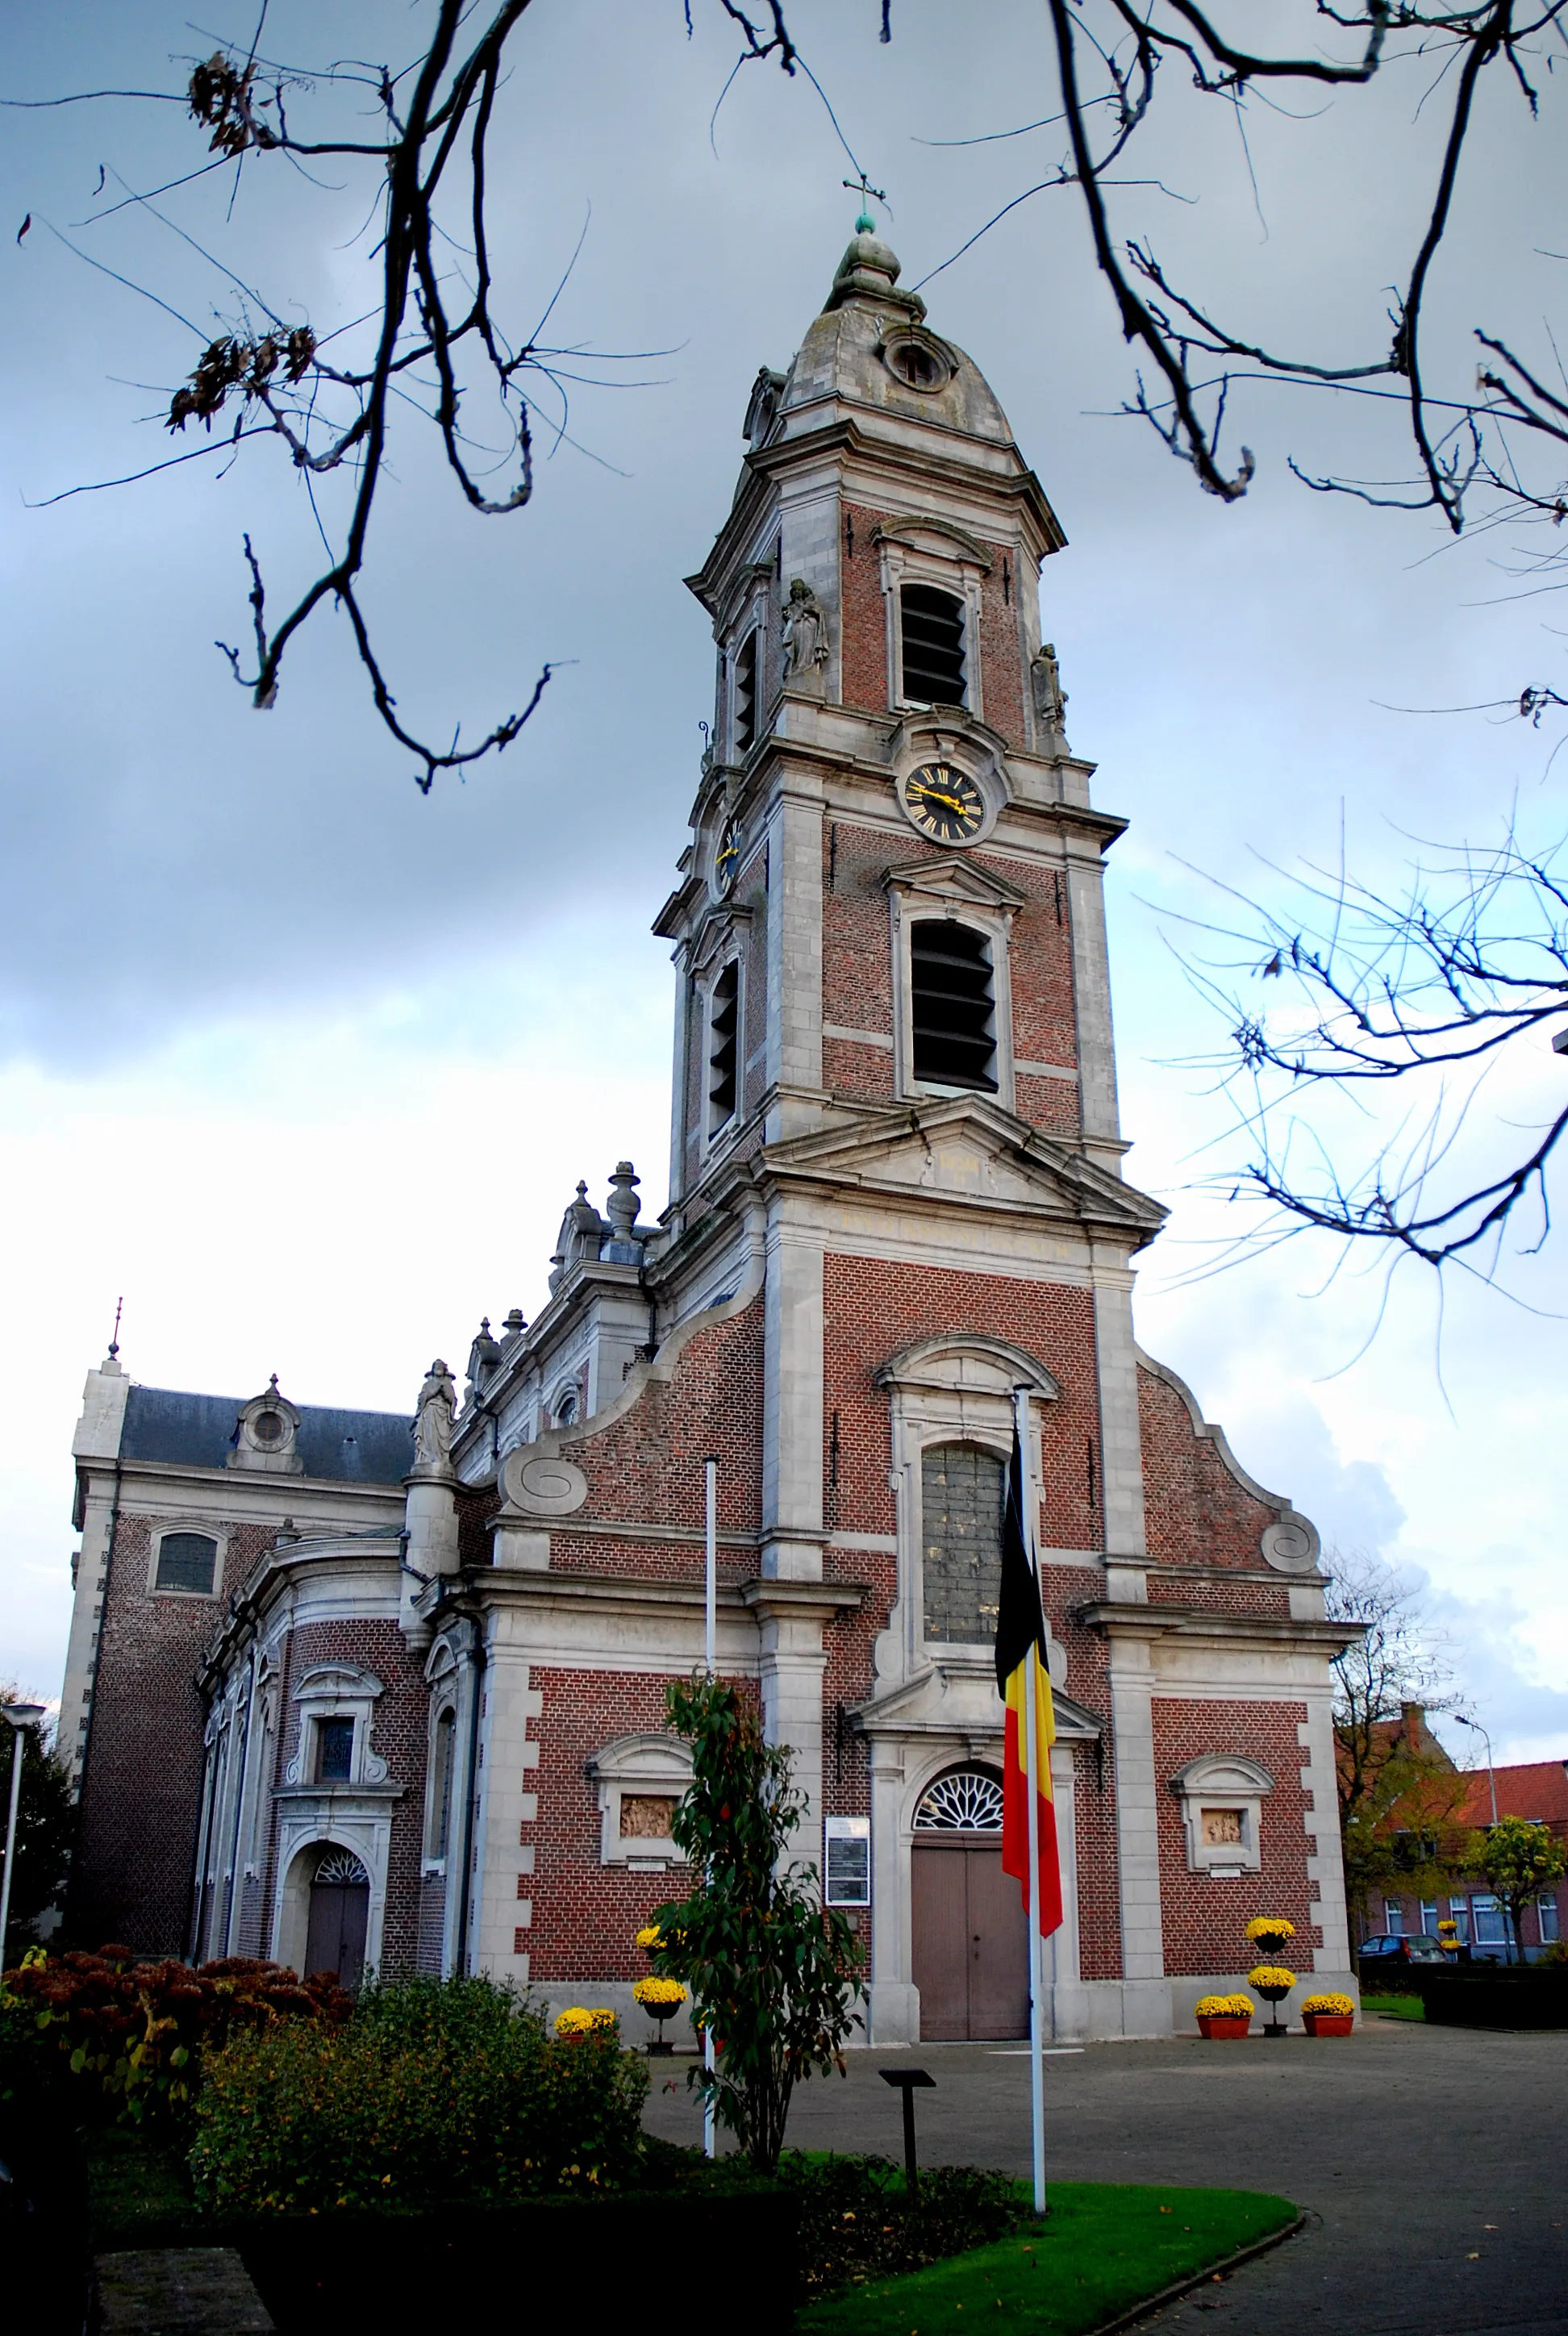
x=306, y=1065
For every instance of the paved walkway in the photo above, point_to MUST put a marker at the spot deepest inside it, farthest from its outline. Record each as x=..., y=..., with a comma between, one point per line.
x=1434, y=2161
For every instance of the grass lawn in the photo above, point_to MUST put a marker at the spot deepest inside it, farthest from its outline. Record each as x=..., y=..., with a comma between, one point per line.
x=1103, y=2247
x=1393, y=2006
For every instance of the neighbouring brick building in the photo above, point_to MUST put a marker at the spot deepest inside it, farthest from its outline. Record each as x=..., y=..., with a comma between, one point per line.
x=348, y=1686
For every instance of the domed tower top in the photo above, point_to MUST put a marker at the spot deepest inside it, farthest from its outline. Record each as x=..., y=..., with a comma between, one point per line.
x=871, y=350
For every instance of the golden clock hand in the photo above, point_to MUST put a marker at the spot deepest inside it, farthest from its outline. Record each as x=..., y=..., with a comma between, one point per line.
x=930, y=794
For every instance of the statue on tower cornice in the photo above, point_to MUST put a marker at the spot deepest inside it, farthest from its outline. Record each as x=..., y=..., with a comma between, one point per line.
x=432, y=1420
x=1050, y=698
x=805, y=636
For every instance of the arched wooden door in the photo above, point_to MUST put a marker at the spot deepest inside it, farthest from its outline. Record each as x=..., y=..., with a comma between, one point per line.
x=970, y=1935
x=340, y=1913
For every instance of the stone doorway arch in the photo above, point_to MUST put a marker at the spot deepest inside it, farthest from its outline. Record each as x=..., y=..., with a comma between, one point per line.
x=339, y=1917
x=969, y=1935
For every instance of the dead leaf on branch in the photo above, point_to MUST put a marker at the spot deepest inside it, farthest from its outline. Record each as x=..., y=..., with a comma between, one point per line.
x=235, y=363
x=220, y=93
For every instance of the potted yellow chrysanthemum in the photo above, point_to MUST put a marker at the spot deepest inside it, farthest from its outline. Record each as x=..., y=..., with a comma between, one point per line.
x=1327, y=2015
x=1223, y=2015
x=574, y=2023
x=660, y=1999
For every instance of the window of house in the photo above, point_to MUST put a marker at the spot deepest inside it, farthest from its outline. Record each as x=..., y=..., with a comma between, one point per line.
x=1486, y=1914
x=744, y=695
x=724, y=1047
x=1547, y=1915
x=952, y=1006
x=187, y=1561
x=334, y=1750
x=932, y=624
x=441, y=1783
x=1459, y=1909
x=1429, y=1917
x=962, y=1542
x=1394, y=1917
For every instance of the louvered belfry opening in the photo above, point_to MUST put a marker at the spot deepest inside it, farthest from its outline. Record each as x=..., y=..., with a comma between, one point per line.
x=723, y=1035
x=745, y=695
x=954, y=1007
x=933, y=639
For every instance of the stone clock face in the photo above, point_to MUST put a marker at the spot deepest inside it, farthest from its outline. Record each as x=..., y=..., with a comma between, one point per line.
x=727, y=859
x=944, y=803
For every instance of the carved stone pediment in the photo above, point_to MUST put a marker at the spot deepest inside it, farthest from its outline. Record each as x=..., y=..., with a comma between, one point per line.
x=960, y=881
x=970, y=1147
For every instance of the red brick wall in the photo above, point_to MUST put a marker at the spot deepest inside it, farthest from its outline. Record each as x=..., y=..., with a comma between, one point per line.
x=863, y=609
x=648, y=1464
x=857, y=969
x=586, y=1914
x=1002, y=649
x=1205, y=1921
x=864, y=645
x=1195, y=1510
x=872, y=1307
x=142, y=1789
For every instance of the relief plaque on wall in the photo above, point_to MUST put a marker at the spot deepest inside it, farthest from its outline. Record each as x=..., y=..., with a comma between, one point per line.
x=647, y=1816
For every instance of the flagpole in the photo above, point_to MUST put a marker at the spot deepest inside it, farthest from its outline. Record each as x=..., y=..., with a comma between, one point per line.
x=710, y=1656
x=1032, y=1775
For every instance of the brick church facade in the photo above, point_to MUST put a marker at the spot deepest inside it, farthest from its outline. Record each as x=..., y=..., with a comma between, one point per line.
x=356, y=1687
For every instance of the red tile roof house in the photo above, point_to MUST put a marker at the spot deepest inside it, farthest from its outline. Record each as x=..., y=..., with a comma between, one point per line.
x=1536, y=1789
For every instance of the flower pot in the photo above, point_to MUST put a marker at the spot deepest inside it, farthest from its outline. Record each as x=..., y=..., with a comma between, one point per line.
x=1328, y=2023
x=1223, y=2023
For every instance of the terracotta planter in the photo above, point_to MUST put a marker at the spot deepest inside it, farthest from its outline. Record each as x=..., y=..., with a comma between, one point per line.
x=1223, y=2023
x=1328, y=2023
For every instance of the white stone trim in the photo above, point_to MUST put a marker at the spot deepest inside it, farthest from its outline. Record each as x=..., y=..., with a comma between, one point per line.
x=1227, y=1781
x=656, y=1765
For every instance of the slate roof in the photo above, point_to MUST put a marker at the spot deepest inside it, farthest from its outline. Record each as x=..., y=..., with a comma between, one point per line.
x=197, y=1431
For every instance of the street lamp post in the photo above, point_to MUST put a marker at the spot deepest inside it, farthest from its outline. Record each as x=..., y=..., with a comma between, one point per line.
x=1491, y=1771
x=21, y=1717
x=1492, y=1779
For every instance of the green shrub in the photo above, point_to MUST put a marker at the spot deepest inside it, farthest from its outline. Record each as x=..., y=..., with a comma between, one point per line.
x=434, y=2092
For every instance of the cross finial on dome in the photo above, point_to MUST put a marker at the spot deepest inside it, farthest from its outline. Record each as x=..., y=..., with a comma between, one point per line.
x=865, y=224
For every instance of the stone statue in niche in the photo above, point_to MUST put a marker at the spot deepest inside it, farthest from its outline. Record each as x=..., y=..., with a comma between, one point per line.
x=432, y=1420
x=1050, y=699
x=806, y=637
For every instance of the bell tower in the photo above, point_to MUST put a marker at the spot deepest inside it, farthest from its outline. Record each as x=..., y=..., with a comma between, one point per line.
x=891, y=895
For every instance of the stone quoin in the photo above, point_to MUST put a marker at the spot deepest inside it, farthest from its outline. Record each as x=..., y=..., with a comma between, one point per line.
x=359, y=1689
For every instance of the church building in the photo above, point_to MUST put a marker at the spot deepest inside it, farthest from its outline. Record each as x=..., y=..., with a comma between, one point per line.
x=361, y=1689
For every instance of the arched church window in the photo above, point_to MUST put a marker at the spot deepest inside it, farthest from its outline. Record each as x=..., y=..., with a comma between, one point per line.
x=953, y=1007
x=187, y=1561
x=744, y=699
x=441, y=1783
x=724, y=1047
x=962, y=1542
x=969, y=1800
x=933, y=647
x=565, y=1409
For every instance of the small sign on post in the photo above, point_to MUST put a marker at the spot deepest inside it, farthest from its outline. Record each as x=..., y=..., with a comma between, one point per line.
x=906, y=2081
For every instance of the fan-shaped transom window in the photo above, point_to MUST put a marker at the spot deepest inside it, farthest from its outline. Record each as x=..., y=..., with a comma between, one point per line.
x=952, y=1001
x=933, y=645
x=970, y=1800
x=187, y=1561
x=961, y=1492
x=341, y=1865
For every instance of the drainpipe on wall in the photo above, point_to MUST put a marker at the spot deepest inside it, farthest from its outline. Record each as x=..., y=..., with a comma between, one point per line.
x=471, y=1800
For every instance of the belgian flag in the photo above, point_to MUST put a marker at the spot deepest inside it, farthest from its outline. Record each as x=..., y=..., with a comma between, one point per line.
x=1020, y=1626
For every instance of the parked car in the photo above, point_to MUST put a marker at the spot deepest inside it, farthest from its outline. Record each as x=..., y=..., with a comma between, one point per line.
x=1386, y=1952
